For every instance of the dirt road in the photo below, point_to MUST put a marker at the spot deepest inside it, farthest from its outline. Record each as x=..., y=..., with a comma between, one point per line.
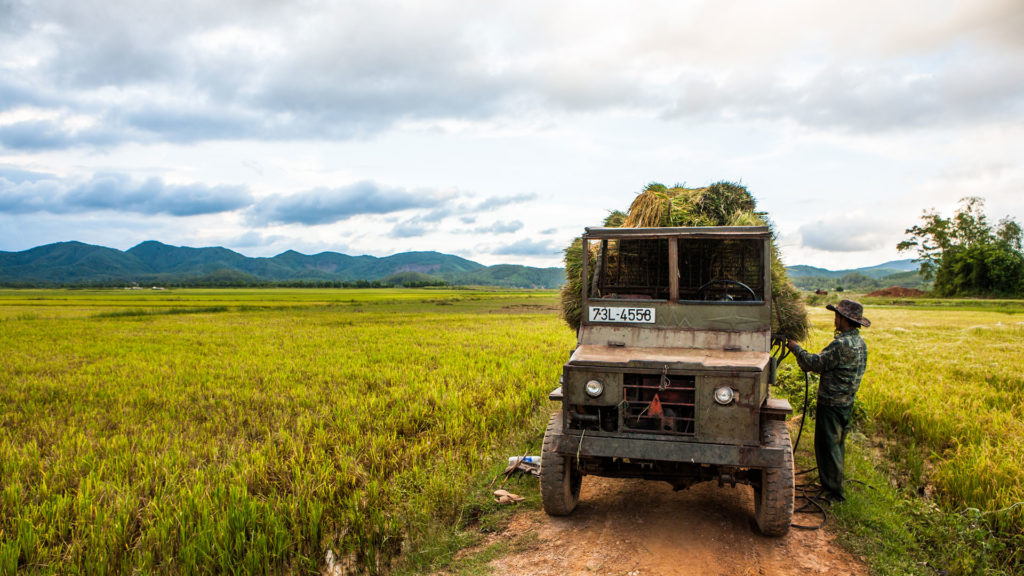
x=637, y=528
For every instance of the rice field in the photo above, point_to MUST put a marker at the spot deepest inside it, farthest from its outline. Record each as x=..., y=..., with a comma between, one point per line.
x=945, y=380
x=253, y=431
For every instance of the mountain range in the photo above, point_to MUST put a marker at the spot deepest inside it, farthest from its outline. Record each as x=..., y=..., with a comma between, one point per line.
x=152, y=262
x=877, y=272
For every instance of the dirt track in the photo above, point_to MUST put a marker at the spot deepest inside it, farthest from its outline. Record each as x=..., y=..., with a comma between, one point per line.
x=632, y=527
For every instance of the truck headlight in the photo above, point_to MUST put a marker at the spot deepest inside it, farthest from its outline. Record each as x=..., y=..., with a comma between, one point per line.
x=594, y=388
x=724, y=395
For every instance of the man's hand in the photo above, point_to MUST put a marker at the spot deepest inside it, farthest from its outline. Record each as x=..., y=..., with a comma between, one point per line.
x=792, y=344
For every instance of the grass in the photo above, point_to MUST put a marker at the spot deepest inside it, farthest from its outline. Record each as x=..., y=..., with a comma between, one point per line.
x=202, y=431
x=257, y=436
x=942, y=404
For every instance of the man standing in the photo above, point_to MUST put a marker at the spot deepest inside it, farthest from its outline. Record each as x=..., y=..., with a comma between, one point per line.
x=841, y=365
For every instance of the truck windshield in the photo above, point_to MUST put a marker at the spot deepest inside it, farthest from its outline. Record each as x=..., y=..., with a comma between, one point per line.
x=632, y=269
x=721, y=270
x=709, y=269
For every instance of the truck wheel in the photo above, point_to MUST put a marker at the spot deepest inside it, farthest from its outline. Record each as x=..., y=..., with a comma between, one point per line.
x=773, y=498
x=560, y=480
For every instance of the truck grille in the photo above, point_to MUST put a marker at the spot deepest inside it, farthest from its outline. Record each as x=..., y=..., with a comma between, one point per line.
x=659, y=404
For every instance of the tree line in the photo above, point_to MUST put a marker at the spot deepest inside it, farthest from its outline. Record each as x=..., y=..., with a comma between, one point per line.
x=966, y=254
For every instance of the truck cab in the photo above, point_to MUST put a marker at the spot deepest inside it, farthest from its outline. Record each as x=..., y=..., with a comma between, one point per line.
x=672, y=372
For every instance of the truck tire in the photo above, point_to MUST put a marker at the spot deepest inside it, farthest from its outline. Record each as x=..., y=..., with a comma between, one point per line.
x=773, y=498
x=560, y=480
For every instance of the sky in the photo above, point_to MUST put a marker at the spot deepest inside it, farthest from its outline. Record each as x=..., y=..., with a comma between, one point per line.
x=497, y=131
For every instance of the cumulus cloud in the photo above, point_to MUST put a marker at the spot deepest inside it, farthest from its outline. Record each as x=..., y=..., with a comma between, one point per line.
x=329, y=70
x=50, y=133
x=413, y=228
x=499, y=227
x=452, y=204
x=527, y=247
x=502, y=227
x=423, y=225
x=34, y=192
x=849, y=233
x=251, y=239
x=328, y=205
x=496, y=202
x=13, y=174
x=887, y=96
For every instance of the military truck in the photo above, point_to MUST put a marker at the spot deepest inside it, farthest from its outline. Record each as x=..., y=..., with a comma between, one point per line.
x=672, y=373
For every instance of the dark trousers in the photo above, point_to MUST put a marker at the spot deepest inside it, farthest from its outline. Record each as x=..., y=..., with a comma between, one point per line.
x=831, y=424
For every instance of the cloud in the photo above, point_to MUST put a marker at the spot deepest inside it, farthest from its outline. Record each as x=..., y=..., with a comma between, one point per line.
x=499, y=227
x=152, y=196
x=121, y=231
x=884, y=97
x=50, y=133
x=15, y=175
x=251, y=239
x=35, y=192
x=849, y=233
x=495, y=202
x=347, y=70
x=25, y=191
x=527, y=248
x=182, y=120
x=410, y=229
x=468, y=211
x=328, y=205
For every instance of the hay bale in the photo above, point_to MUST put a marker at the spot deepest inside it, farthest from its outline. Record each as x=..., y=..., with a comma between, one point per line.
x=720, y=204
x=572, y=290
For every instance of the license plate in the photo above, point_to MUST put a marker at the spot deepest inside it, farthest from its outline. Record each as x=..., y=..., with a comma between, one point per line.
x=613, y=314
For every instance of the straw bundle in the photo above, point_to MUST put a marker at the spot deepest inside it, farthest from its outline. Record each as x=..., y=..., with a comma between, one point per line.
x=720, y=204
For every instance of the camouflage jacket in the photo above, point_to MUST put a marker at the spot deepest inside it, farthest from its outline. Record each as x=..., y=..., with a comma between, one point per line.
x=841, y=365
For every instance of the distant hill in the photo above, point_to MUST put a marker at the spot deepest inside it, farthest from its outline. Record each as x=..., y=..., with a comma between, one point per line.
x=879, y=271
x=895, y=273
x=151, y=262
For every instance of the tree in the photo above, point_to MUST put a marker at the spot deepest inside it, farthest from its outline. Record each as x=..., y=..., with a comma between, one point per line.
x=1009, y=234
x=965, y=256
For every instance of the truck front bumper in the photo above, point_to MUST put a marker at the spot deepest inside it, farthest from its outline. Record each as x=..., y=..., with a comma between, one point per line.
x=668, y=450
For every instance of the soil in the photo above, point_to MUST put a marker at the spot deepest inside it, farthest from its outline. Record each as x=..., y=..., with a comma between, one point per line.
x=636, y=527
x=899, y=292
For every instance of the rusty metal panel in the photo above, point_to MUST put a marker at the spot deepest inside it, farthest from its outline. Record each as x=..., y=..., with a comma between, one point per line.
x=574, y=379
x=761, y=386
x=724, y=316
x=776, y=409
x=677, y=359
x=555, y=395
x=778, y=405
x=753, y=340
x=738, y=422
x=587, y=445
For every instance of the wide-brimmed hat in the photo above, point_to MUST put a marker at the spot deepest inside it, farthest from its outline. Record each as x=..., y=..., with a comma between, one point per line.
x=851, y=311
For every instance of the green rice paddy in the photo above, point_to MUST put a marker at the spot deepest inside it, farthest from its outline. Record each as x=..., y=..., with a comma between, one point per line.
x=252, y=431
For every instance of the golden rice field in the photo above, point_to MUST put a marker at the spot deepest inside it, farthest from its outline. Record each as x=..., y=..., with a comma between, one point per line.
x=251, y=431
x=948, y=378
